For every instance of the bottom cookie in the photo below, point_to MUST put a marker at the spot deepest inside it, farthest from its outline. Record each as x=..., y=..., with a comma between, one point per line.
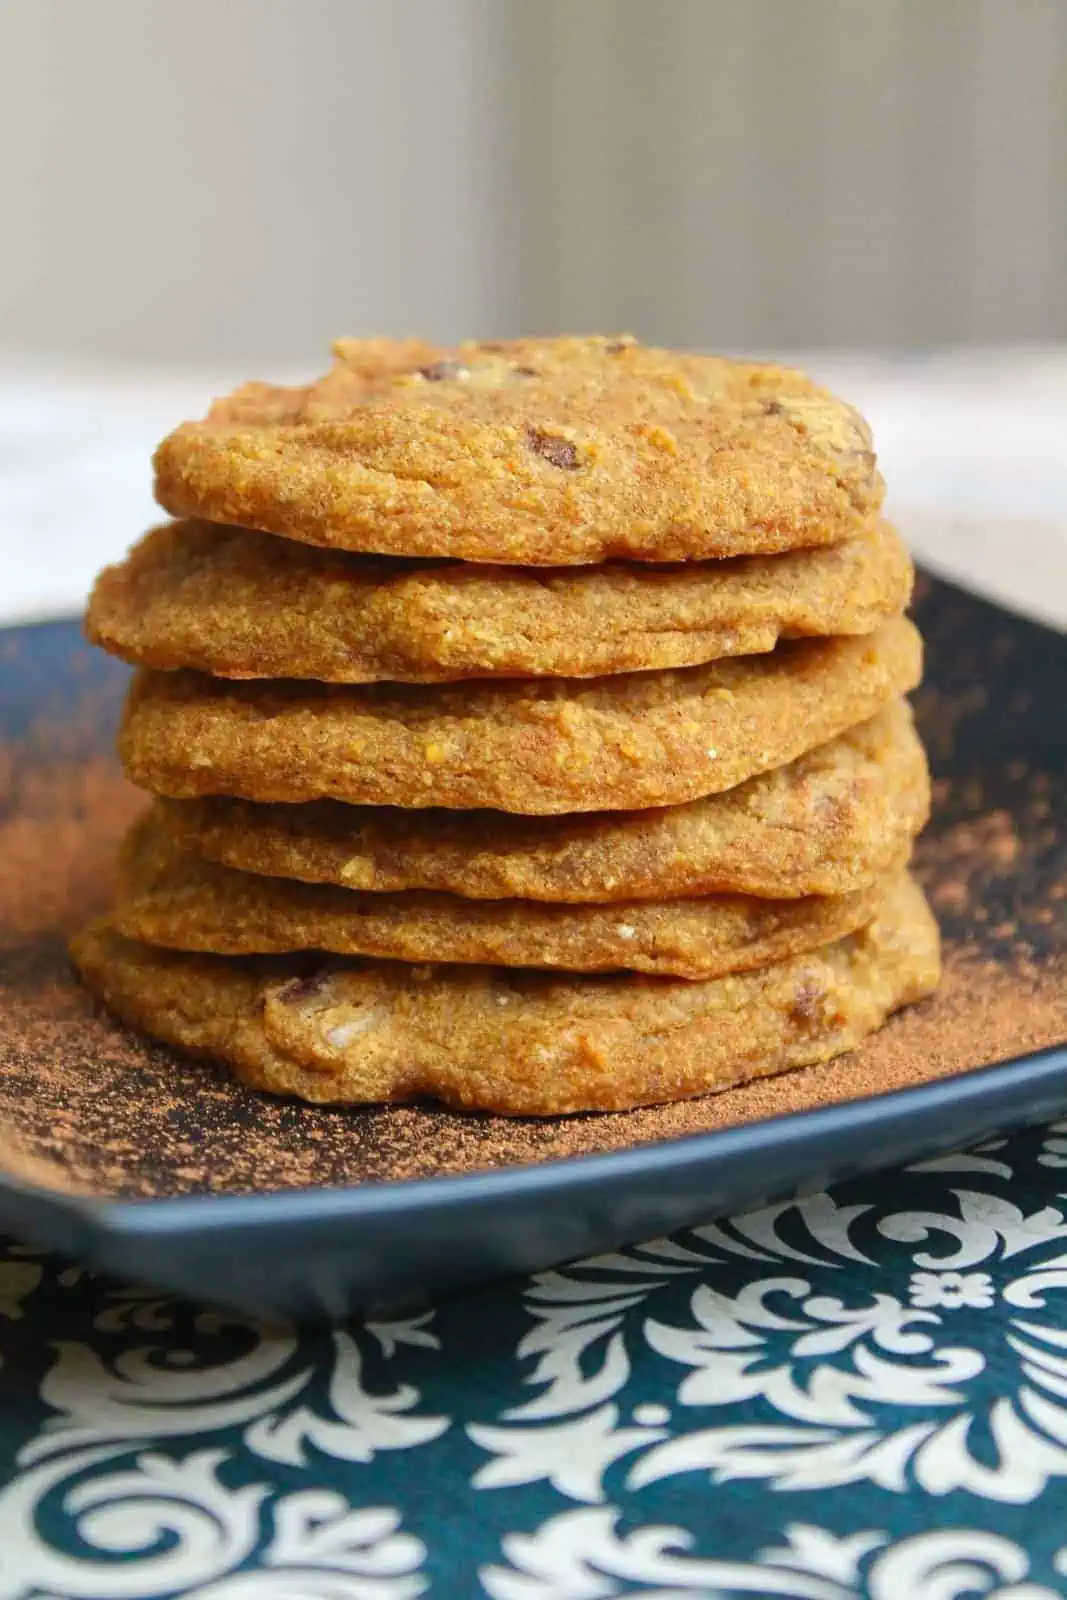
x=517, y=1043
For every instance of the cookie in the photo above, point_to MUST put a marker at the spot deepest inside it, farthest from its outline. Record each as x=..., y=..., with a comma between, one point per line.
x=169, y=897
x=239, y=604
x=539, y=747
x=235, y=603
x=535, y=452
x=520, y=1043
x=829, y=822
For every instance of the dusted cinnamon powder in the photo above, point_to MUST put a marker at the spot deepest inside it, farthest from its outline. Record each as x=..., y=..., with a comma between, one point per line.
x=84, y=1105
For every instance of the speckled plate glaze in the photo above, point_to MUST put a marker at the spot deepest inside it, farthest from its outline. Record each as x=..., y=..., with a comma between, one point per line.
x=152, y=1166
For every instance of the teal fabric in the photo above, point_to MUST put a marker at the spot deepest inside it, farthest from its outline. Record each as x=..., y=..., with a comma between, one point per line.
x=857, y=1393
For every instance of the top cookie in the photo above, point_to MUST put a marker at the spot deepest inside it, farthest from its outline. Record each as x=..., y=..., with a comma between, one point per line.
x=535, y=452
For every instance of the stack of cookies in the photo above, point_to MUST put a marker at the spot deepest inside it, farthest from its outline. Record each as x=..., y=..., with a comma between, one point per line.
x=526, y=723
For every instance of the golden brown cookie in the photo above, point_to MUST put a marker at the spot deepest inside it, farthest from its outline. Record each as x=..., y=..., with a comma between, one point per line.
x=529, y=1044
x=246, y=605
x=541, y=747
x=168, y=897
x=830, y=822
x=535, y=452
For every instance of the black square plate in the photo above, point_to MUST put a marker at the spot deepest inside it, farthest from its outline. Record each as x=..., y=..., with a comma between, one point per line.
x=152, y=1167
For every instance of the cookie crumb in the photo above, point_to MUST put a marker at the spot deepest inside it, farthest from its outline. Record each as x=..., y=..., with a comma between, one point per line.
x=441, y=371
x=558, y=452
x=298, y=990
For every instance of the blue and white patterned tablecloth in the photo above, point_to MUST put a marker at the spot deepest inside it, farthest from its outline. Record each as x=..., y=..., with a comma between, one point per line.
x=859, y=1393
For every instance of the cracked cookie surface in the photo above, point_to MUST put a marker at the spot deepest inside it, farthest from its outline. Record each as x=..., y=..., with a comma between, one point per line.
x=536, y=452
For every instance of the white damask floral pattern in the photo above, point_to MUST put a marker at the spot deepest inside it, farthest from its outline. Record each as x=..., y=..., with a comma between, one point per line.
x=1054, y=1146
x=580, y=1555
x=951, y=1289
x=317, y=1545
x=662, y=1421
x=864, y=1384
x=186, y=1526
